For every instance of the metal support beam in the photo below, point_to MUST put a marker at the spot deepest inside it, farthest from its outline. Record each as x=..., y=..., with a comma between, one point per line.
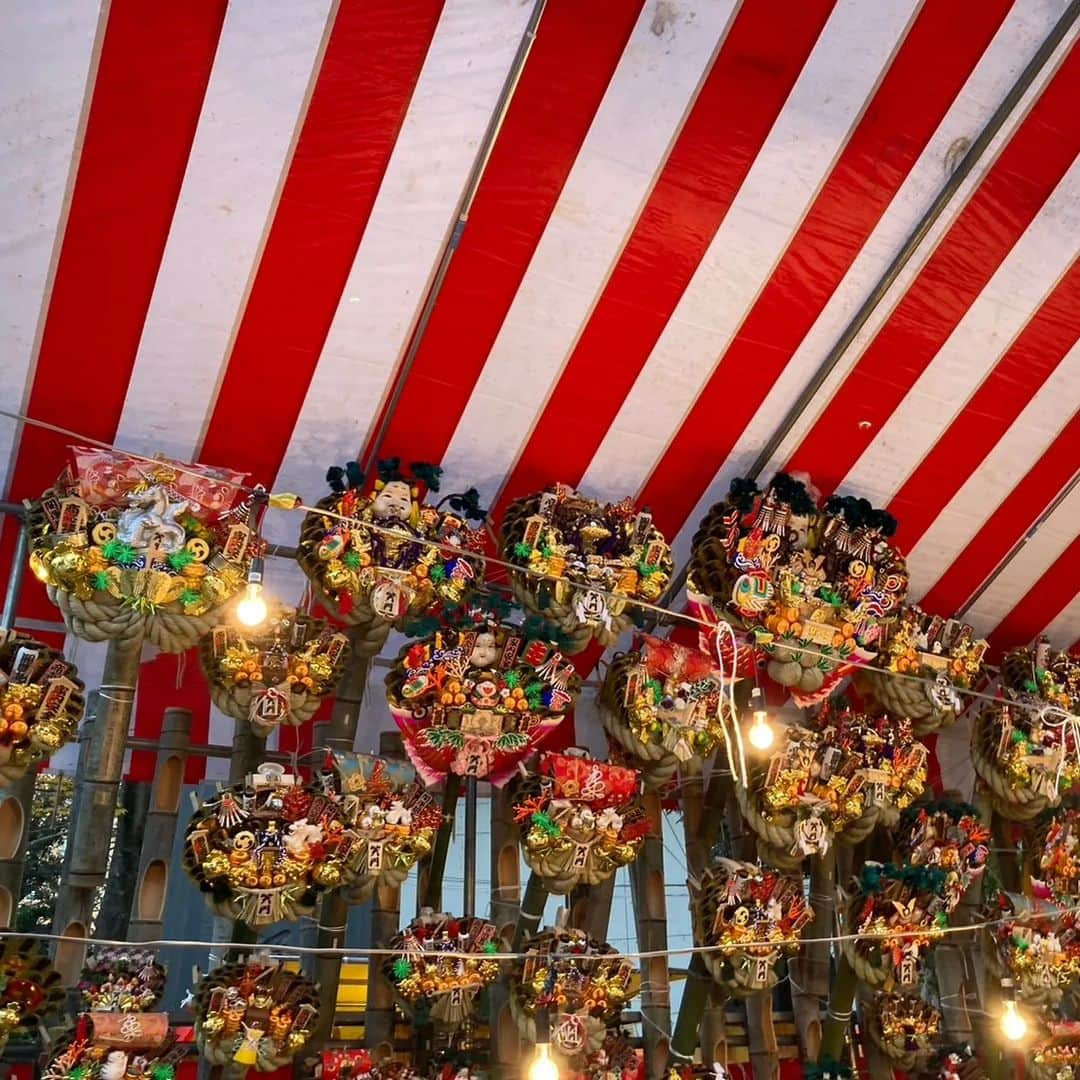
x=159, y=833
x=469, y=904
x=97, y=778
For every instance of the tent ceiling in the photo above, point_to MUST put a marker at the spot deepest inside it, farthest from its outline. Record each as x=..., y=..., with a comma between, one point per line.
x=221, y=222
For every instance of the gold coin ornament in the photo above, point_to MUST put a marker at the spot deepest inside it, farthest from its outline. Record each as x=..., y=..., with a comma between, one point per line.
x=937, y=658
x=580, y=820
x=30, y=989
x=668, y=707
x=814, y=584
x=749, y=916
x=582, y=984
x=255, y=1014
x=1057, y=843
x=393, y=816
x=129, y=547
x=904, y=1027
x=948, y=836
x=589, y=562
x=41, y=703
x=476, y=700
x=277, y=673
x=264, y=850
x=121, y=979
x=898, y=912
x=439, y=965
x=379, y=554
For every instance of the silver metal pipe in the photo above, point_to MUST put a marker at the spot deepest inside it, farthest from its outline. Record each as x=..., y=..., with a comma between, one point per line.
x=967, y=163
x=15, y=579
x=472, y=185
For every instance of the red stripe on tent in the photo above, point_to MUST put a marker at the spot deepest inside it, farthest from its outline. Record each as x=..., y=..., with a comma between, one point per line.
x=1008, y=523
x=158, y=690
x=1043, y=602
x=576, y=51
x=736, y=107
x=151, y=78
x=989, y=413
x=928, y=71
x=372, y=62
x=1002, y=207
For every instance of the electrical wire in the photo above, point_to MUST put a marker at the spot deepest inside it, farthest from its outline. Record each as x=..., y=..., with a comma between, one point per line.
x=294, y=504
x=508, y=957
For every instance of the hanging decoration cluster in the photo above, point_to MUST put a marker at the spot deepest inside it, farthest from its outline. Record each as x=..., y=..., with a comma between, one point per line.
x=41, y=703
x=128, y=548
x=589, y=559
x=582, y=984
x=255, y=1014
x=580, y=820
x=277, y=673
x=477, y=700
x=813, y=584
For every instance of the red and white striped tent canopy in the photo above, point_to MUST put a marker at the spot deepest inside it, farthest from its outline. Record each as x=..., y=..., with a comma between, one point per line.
x=222, y=220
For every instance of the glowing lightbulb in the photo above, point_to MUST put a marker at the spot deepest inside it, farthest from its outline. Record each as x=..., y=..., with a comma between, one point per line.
x=1013, y=1025
x=542, y=1066
x=761, y=732
x=251, y=611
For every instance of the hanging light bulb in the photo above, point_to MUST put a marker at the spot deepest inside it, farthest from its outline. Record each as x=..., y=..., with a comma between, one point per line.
x=542, y=1066
x=251, y=610
x=761, y=732
x=1013, y=1025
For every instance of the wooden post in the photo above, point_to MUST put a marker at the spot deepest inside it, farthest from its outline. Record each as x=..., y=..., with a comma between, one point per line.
x=650, y=913
x=505, y=905
x=385, y=922
x=15, y=809
x=159, y=832
x=97, y=778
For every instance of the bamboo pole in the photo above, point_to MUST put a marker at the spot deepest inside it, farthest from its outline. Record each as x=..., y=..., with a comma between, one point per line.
x=15, y=816
x=760, y=1034
x=650, y=914
x=97, y=778
x=838, y=1018
x=159, y=832
x=532, y=911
